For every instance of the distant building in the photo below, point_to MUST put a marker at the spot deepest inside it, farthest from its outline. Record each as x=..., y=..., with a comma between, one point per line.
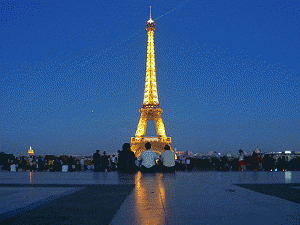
x=30, y=152
x=212, y=153
x=191, y=154
x=179, y=153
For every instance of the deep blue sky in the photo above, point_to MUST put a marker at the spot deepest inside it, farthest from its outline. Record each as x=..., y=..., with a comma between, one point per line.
x=72, y=74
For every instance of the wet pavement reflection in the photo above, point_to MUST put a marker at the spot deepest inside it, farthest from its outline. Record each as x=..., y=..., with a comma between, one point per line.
x=182, y=197
x=288, y=176
x=148, y=199
x=198, y=197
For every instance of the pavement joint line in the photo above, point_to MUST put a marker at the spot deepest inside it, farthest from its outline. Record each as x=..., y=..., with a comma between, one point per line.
x=55, y=185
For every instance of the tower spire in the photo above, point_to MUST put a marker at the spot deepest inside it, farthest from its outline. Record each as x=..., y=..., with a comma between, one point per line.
x=150, y=93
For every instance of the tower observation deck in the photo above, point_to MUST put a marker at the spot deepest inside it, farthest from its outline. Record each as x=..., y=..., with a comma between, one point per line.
x=150, y=109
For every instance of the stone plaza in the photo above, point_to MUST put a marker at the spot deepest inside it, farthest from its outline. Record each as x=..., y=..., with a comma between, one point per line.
x=158, y=198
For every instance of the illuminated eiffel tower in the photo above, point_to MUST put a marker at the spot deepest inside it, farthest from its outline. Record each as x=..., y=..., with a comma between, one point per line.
x=150, y=109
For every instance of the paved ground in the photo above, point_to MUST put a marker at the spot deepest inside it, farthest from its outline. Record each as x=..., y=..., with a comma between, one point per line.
x=90, y=204
x=179, y=198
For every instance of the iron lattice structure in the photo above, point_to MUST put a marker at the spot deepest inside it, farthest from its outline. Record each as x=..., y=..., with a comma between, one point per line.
x=150, y=109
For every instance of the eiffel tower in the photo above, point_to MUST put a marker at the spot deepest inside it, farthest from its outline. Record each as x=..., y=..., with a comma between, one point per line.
x=150, y=109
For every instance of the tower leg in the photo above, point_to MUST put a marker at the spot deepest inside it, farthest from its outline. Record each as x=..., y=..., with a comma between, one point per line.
x=142, y=126
x=160, y=127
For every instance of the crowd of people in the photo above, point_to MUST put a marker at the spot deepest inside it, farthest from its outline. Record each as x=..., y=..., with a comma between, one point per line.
x=125, y=161
x=49, y=163
x=254, y=162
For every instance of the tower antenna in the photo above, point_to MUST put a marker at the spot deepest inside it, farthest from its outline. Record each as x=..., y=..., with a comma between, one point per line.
x=150, y=12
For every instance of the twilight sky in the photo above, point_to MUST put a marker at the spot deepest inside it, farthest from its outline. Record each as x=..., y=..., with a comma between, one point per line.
x=72, y=74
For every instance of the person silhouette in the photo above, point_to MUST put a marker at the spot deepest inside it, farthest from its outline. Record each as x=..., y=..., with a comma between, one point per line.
x=113, y=161
x=168, y=159
x=70, y=164
x=126, y=160
x=148, y=159
x=96, y=161
x=104, y=162
x=241, y=161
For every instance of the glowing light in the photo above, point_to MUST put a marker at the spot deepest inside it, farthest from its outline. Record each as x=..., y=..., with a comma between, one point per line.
x=150, y=93
x=150, y=21
x=150, y=109
x=155, y=212
x=30, y=151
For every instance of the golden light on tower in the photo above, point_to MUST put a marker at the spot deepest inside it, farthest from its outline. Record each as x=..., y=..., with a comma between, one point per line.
x=150, y=109
x=30, y=152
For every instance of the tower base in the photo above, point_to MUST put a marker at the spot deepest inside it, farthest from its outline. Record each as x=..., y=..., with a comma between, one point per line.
x=157, y=144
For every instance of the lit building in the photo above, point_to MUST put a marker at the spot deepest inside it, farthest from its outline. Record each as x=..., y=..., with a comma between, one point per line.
x=30, y=152
x=258, y=151
x=150, y=109
x=179, y=153
x=212, y=153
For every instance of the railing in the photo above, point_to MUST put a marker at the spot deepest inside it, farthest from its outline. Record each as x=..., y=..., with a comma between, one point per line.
x=151, y=139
